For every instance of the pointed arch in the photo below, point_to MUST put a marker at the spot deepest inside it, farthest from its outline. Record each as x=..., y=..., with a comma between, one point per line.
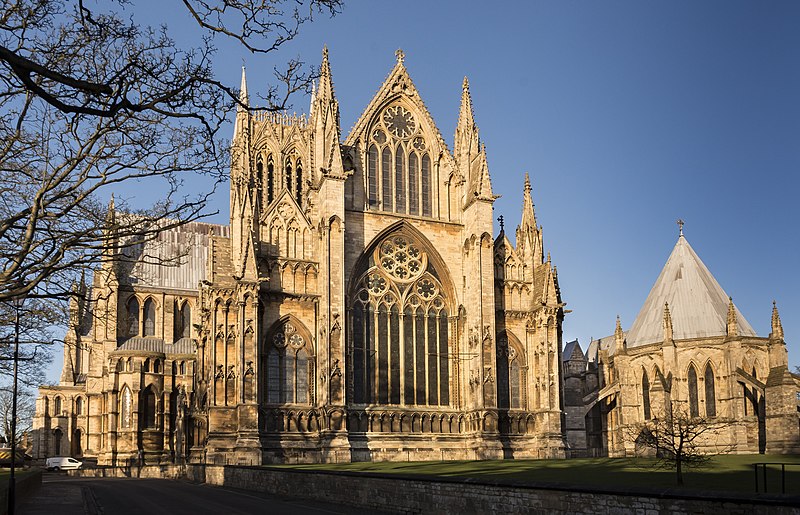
x=399, y=179
x=288, y=363
x=270, y=179
x=710, y=387
x=149, y=315
x=387, y=199
x=646, y=394
x=511, y=368
x=372, y=175
x=132, y=316
x=298, y=172
x=125, y=407
x=691, y=381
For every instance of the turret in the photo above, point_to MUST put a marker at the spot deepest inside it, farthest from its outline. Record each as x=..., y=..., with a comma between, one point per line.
x=324, y=119
x=529, y=236
x=619, y=336
x=777, y=328
x=732, y=325
x=668, y=331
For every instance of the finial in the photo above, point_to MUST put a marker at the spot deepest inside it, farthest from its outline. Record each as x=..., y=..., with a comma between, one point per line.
x=325, y=52
x=777, y=327
x=680, y=227
x=465, y=84
x=502, y=225
x=400, y=55
x=527, y=182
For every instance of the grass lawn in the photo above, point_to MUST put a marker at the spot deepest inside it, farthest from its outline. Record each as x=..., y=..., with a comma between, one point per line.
x=725, y=472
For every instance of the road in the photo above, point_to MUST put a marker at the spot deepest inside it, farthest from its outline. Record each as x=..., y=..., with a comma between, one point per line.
x=105, y=496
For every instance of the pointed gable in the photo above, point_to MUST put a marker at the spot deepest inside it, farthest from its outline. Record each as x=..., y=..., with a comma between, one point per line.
x=697, y=303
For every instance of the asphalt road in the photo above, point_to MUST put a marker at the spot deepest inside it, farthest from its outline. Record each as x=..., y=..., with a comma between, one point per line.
x=78, y=496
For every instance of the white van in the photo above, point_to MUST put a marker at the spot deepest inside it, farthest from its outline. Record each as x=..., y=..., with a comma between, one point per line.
x=63, y=463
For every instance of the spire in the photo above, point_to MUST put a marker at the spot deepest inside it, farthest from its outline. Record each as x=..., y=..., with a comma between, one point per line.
x=777, y=328
x=619, y=335
x=467, y=144
x=483, y=188
x=528, y=214
x=668, y=332
x=244, y=98
x=325, y=89
x=733, y=326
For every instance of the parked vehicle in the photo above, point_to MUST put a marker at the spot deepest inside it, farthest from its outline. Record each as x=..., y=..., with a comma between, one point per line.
x=63, y=463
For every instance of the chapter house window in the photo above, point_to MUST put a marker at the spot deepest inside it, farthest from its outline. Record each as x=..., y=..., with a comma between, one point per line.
x=694, y=408
x=646, y=395
x=288, y=366
x=711, y=401
x=400, y=329
x=398, y=165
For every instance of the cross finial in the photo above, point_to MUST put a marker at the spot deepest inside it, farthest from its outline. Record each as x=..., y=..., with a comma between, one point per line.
x=680, y=227
x=502, y=224
x=400, y=55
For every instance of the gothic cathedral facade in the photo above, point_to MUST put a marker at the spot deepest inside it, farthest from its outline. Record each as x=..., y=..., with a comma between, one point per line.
x=357, y=307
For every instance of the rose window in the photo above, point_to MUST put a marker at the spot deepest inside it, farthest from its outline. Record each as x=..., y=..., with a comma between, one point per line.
x=401, y=259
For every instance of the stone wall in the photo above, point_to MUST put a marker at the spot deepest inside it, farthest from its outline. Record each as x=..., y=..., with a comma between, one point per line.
x=407, y=494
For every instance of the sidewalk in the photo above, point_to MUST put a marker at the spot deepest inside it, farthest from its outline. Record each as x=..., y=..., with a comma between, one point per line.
x=65, y=496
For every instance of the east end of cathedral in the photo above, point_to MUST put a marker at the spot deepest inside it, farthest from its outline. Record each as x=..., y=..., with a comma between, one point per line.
x=358, y=307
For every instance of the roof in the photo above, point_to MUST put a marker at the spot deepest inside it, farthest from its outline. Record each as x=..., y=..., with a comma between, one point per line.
x=572, y=351
x=177, y=258
x=157, y=345
x=697, y=303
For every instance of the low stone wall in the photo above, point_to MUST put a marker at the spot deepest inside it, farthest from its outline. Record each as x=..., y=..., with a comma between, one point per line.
x=412, y=494
x=27, y=483
x=405, y=494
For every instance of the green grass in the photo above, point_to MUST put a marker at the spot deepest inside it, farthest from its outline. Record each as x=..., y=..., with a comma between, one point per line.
x=722, y=473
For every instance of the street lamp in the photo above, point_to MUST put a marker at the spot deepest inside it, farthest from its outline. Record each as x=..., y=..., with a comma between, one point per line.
x=17, y=302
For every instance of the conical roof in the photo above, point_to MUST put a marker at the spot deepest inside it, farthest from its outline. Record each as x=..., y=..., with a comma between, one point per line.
x=698, y=305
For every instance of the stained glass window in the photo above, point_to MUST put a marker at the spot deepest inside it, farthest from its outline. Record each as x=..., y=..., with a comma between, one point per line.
x=694, y=409
x=711, y=398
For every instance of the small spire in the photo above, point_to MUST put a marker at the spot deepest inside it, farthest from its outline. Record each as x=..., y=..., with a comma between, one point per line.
x=680, y=223
x=619, y=335
x=111, y=214
x=400, y=55
x=244, y=98
x=668, y=332
x=733, y=326
x=465, y=84
x=777, y=327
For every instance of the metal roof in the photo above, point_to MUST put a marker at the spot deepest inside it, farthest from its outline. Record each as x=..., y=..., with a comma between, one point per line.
x=697, y=303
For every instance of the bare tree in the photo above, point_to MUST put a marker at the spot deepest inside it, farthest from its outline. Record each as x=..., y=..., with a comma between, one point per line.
x=677, y=439
x=39, y=320
x=26, y=408
x=90, y=100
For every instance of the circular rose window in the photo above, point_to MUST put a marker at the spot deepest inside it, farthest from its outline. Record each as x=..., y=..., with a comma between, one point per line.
x=401, y=259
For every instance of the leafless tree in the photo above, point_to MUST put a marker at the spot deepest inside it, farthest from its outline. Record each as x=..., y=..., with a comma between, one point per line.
x=39, y=321
x=26, y=406
x=90, y=100
x=678, y=439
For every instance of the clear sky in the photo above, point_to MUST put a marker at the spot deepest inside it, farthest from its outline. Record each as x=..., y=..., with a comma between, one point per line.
x=628, y=115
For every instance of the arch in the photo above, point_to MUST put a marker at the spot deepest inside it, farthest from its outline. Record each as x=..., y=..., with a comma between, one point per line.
x=372, y=175
x=58, y=437
x=399, y=324
x=132, y=316
x=288, y=362
x=148, y=408
x=691, y=381
x=149, y=315
x=79, y=405
x=125, y=408
x=645, y=394
x=77, y=444
x=511, y=366
x=710, y=387
x=57, y=406
x=270, y=179
x=183, y=321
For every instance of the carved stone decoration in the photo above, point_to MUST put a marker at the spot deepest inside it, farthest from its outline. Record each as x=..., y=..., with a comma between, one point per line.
x=474, y=336
x=249, y=370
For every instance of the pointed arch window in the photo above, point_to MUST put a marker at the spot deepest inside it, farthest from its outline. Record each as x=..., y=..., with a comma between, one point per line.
x=149, y=317
x=79, y=406
x=183, y=321
x=57, y=406
x=386, y=179
x=711, y=398
x=287, y=173
x=260, y=174
x=372, y=175
x=288, y=366
x=125, y=408
x=413, y=184
x=399, y=180
x=426, y=185
x=694, y=407
x=400, y=329
x=646, y=395
x=298, y=181
x=132, y=316
x=270, y=179
x=149, y=408
x=510, y=373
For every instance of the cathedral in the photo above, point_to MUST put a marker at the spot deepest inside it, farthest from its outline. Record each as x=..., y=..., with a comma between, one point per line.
x=357, y=307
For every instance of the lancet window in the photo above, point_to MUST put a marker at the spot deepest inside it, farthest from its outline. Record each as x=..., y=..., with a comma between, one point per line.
x=398, y=165
x=132, y=316
x=711, y=398
x=289, y=365
x=293, y=176
x=694, y=407
x=510, y=373
x=125, y=408
x=183, y=320
x=149, y=317
x=400, y=329
x=646, y=395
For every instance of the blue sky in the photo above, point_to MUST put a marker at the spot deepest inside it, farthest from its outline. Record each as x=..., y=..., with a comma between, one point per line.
x=628, y=115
